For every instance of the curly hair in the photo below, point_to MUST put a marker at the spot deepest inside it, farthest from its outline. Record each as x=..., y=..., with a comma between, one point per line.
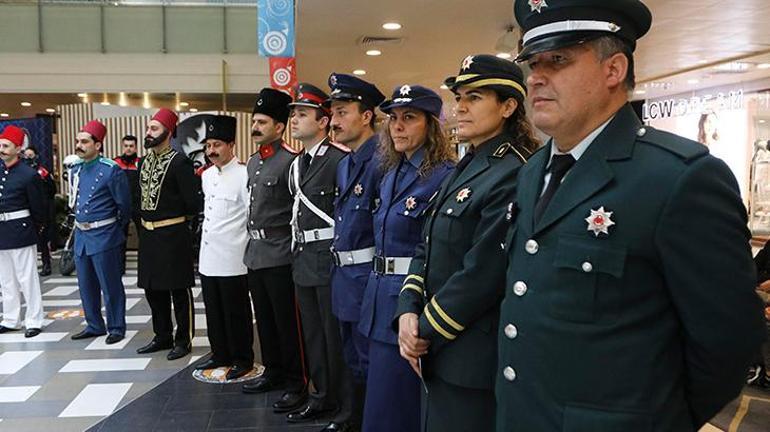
x=437, y=147
x=519, y=128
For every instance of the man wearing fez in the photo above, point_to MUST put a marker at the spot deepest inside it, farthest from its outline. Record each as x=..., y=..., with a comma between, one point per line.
x=312, y=181
x=102, y=209
x=170, y=195
x=268, y=254
x=629, y=303
x=223, y=241
x=22, y=215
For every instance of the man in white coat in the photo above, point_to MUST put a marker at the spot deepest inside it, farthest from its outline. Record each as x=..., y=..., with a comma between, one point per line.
x=223, y=242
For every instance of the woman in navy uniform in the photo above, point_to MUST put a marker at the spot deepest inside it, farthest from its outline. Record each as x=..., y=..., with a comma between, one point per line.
x=417, y=157
x=449, y=303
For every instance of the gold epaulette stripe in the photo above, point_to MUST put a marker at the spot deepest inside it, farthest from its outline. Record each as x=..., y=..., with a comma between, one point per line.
x=454, y=324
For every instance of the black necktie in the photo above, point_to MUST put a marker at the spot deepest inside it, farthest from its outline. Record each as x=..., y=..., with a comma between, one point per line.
x=304, y=164
x=465, y=161
x=560, y=164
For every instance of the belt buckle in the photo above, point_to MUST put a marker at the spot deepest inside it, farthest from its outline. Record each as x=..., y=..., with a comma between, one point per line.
x=254, y=234
x=390, y=263
x=336, y=258
x=3, y=218
x=316, y=234
x=300, y=236
x=149, y=226
x=379, y=264
x=85, y=226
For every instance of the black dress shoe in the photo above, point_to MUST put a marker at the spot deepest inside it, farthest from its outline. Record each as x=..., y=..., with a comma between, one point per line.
x=154, y=346
x=210, y=364
x=31, y=332
x=290, y=401
x=46, y=270
x=262, y=384
x=338, y=427
x=306, y=414
x=238, y=371
x=85, y=334
x=4, y=329
x=178, y=352
x=113, y=339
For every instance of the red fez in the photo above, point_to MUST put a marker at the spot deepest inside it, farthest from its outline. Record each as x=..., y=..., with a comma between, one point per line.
x=167, y=118
x=14, y=135
x=96, y=129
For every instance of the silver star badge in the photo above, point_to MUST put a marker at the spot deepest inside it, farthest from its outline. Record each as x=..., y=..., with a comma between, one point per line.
x=358, y=189
x=411, y=203
x=463, y=194
x=599, y=221
x=333, y=80
x=467, y=62
x=405, y=90
x=537, y=5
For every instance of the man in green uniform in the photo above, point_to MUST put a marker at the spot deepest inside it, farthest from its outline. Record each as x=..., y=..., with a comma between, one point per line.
x=629, y=302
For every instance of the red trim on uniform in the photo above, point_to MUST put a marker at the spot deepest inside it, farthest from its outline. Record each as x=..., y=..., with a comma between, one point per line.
x=200, y=170
x=312, y=98
x=339, y=146
x=123, y=165
x=289, y=149
x=265, y=151
x=42, y=172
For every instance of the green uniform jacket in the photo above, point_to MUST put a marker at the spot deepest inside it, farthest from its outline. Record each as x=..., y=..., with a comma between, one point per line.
x=460, y=268
x=648, y=327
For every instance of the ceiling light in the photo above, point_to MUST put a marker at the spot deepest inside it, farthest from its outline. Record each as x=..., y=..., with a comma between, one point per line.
x=373, y=52
x=693, y=81
x=504, y=55
x=3, y=115
x=122, y=99
x=146, y=100
x=105, y=103
x=763, y=66
x=359, y=72
x=83, y=95
x=26, y=104
x=193, y=110
x=50, y=110
x=184, y=104
x=391, y=26
x=762, y=121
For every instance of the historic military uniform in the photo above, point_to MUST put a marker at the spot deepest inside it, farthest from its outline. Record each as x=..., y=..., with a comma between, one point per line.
x=392, y=388
x=22, y=211
x=312, y=181
x=223, y=274
x=47, y=236
x=170, y=195
x=455, y=280
x=268, y=254
x=102, y=209
x=629, y=300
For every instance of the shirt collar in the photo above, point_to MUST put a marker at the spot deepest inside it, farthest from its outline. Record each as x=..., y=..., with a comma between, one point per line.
x=417, y=157
x=313, y=150
x=366, y=150
x=581, y=147
x=233, y=162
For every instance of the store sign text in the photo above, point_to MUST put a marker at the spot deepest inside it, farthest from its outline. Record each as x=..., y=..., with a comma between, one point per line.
x=694, y=105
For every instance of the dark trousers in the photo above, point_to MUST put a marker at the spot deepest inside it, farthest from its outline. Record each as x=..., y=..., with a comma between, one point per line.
x=138, y=225
x=272, y=293
x=331, y=377
x=228, y=319
x=451, y=408
x=100, y=274
x=160, y=305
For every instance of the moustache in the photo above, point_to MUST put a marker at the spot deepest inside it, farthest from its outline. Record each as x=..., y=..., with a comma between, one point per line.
x=150, y=141
x=212, y=155
x=256, y=133
x=79, y=150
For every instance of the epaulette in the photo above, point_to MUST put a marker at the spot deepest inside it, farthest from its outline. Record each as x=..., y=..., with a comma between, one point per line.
x=42, y=172
x=108, y=162
x=507, y=147
x=682, y=147
x=289, y=149
x=339, y=146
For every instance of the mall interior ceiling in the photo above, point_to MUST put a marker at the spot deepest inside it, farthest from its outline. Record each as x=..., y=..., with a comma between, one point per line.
x=692, y=45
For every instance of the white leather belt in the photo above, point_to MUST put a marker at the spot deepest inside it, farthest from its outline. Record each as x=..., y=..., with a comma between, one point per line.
x=314, y=235
x=18, y=214
x=347, y=258
x=392, y=265
x=85, y=226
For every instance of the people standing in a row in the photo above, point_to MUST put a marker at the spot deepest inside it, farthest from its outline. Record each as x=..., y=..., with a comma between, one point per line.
x=170, y=196
x=629, y=301
x=102, y=210
x=223, y=243
x=313, y=184
x=449, y=304
x=47, y=239
x=416, y=158
x=353, y=102
x=268, y=254
x=128, y=161
x=22, y=216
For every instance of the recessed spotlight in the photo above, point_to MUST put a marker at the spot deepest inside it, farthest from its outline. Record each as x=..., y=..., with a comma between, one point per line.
x=82, y=95
x=3, y=115
x=359, y=72
x=693, y=81
x=444, y=87
x=763, y=121
x=193, y=109
x=184, y=104
x=373, y=52
x=50, y=110
x=105, y=103
x=26, y=104
x=640, y=92
x=504, y=55
x=763, y=66
x=391, y=26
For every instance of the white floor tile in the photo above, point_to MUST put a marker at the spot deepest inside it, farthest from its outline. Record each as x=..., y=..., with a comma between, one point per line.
x=200, y=322
x=200, y=341
x=13, y=361
x=129, y=280
x=134, y=291
x=17, y=394
x=105, y=365
x=138, y=319
x=193, y=359
x=100, y=344
x=96, y=400
x=130, y=302
x=61, y=291
x=60, y=303
x=42, y=337
x=62, y=280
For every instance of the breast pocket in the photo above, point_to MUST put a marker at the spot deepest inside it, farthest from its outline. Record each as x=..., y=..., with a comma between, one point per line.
x=456, y=220
x=269, y=185
x=583, y=267
x=222, y=204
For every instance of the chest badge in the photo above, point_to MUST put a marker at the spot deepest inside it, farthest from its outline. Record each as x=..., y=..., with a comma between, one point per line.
x=599, y=221
x=411, y=203
x=463, y=194
x=358, y=189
